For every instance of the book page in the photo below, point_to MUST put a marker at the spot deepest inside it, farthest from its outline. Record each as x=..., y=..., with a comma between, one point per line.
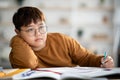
x=88, y=72
x=54, y=73
x=82, y=72
x=66, y=73
x=38, y=74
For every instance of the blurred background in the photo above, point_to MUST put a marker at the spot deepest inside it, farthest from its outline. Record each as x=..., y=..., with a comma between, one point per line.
x=94, y=23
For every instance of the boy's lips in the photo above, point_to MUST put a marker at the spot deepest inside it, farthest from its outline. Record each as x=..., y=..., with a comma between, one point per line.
x=38, y=39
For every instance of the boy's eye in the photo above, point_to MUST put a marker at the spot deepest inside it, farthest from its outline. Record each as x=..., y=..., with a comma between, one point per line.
x=30, y=30
x=41, y=27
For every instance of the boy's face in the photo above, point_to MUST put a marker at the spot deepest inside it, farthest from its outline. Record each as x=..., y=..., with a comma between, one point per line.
x=34, y=34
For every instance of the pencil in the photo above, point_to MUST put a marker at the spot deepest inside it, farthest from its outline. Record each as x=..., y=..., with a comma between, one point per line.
x=105, y=55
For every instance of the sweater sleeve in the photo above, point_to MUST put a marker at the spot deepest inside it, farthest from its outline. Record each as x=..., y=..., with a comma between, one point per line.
x=82, y=56
x=22, y=55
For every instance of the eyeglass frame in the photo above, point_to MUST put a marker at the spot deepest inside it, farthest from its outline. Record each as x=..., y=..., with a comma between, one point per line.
x=34, y=30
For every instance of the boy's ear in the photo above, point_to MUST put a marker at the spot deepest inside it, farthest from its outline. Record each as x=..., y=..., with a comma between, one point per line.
x=17, y=31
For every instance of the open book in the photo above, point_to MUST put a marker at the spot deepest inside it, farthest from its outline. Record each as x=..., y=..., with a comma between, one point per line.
x=60, y=73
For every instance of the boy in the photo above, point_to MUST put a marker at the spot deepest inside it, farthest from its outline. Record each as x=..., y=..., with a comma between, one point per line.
x=33, y=47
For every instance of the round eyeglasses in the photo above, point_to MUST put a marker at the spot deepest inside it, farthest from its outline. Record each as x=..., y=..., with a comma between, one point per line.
x=32, y=31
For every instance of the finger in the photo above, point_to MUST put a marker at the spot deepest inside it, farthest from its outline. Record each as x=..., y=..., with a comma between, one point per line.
x=101, y=66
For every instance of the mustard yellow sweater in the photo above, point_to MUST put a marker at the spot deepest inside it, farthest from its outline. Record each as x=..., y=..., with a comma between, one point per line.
x=60, y=51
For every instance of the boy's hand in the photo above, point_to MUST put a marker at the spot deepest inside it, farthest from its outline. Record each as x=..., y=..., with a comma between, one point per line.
x=107, y=63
